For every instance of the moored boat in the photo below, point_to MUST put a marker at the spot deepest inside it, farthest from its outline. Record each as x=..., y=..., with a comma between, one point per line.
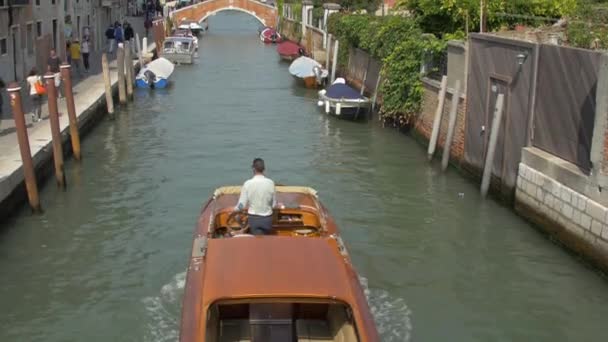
x=270, y=35
x=179, y=50
x=343, y=101
x=289, y=50
x=297, y=284
x=191, y=25
x=186, y=33
x=155, y=74
x=309, y=71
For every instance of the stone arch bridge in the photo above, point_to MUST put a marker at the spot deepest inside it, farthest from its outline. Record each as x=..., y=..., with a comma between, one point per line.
x=267, y=15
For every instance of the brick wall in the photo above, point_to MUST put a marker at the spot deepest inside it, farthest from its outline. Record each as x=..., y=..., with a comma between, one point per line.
x=424, y=122
x=198, y=11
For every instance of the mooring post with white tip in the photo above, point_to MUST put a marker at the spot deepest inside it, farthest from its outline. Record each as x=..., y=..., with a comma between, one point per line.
x=335, y=61
x=437, y=121
x=445, y=159
x=120, y=64
x=31, y=185
x=489, y=164
x=328, y=51
x=108, y=84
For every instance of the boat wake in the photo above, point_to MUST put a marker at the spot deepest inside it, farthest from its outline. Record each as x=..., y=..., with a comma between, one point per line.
x=392, y=315
x=163, y=312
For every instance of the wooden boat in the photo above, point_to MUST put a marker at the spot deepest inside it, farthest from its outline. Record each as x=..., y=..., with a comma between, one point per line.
x=309, y=71
x=191, y=25
x=343, y=101
x=297, y=284
x=289, y=51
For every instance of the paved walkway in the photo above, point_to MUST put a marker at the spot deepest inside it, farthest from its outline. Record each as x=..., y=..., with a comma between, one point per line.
x=7, y=124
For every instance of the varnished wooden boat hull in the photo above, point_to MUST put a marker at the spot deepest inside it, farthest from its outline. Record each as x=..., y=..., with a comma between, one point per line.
x=270, y=279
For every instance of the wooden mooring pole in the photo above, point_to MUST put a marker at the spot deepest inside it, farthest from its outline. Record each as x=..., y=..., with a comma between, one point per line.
x=437, y=121
x=69, y=98
x=445, y=159
x=489, y=164
x=29, y=175
x=108, y=84
x=335, y=62
x=140, y=55
x=328, y=51
x=120, y=66
x=55, y=129
x=129, y=70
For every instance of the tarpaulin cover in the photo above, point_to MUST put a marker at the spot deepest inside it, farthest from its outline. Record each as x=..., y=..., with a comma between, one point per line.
x=303, y=67
x=342, y=91
x=288, y=48
x=161, y=67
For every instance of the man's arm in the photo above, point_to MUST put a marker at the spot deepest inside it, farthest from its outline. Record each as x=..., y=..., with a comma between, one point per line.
x=243, y=199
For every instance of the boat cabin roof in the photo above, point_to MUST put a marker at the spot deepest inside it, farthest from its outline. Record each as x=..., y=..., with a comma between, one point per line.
x=179, y=39
x=276, y=267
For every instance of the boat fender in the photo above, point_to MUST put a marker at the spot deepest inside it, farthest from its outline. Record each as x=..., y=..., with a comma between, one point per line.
x=338, y=108
x=322, y=92
x=327, y=107
x=320, y=103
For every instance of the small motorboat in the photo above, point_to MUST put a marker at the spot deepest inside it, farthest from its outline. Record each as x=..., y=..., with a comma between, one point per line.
x=186, y=33
x=309, y=71
x=155, y=74
x=296, y=284
x=270, y=35
x=179, y=50
x=289, y=50
x=191, y=25
x=343, y=101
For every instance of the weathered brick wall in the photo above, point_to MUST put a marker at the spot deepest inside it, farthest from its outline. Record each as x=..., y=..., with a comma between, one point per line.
x=424, y=121
x=266, y=13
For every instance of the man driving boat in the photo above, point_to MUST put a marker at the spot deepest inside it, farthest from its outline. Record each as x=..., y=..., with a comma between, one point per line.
x=258, y=195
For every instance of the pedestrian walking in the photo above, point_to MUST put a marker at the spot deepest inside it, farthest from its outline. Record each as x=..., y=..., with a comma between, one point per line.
x=53, y=64
x=37, y=90
x=129, y=35
x=68, y=53
x=85, y=48
x=75, y=54
x=118, y=34
x=110, y=38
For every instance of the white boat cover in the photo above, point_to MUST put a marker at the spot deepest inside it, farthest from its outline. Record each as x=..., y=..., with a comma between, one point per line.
x=161, y=67
x=303, y=67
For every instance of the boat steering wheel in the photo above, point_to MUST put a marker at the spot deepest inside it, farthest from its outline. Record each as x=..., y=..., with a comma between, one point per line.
x=238, y=222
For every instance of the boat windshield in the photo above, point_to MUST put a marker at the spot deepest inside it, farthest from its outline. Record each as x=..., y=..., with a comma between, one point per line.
x=281, y=320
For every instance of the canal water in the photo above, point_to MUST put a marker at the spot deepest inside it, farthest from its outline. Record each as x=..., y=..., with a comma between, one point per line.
x=107, y=259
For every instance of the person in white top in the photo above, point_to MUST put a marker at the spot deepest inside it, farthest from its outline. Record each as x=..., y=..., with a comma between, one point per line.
x=32, y=79
x=258, y=196
x=85, y=48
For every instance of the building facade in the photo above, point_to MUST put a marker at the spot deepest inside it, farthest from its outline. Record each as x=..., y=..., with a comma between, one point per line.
x=30, y=28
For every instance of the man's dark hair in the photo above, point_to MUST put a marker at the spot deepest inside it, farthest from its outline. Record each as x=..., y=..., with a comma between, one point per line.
x=258, y=165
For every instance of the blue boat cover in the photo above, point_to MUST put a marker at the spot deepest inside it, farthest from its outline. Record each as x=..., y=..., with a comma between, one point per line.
x=342, y=91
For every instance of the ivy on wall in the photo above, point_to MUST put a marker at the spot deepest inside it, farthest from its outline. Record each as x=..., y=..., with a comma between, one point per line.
x=399, y=44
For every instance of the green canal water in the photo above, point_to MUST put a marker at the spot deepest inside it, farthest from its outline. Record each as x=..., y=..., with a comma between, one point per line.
x=107, y=259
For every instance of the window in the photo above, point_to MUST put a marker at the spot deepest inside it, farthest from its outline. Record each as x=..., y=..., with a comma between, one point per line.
x=37, y=2
x=55, y=33
x=3, y=3
x=30, y=38
x=3, y=47
x=88, y=20
x=39, y=29
x=52, y=2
